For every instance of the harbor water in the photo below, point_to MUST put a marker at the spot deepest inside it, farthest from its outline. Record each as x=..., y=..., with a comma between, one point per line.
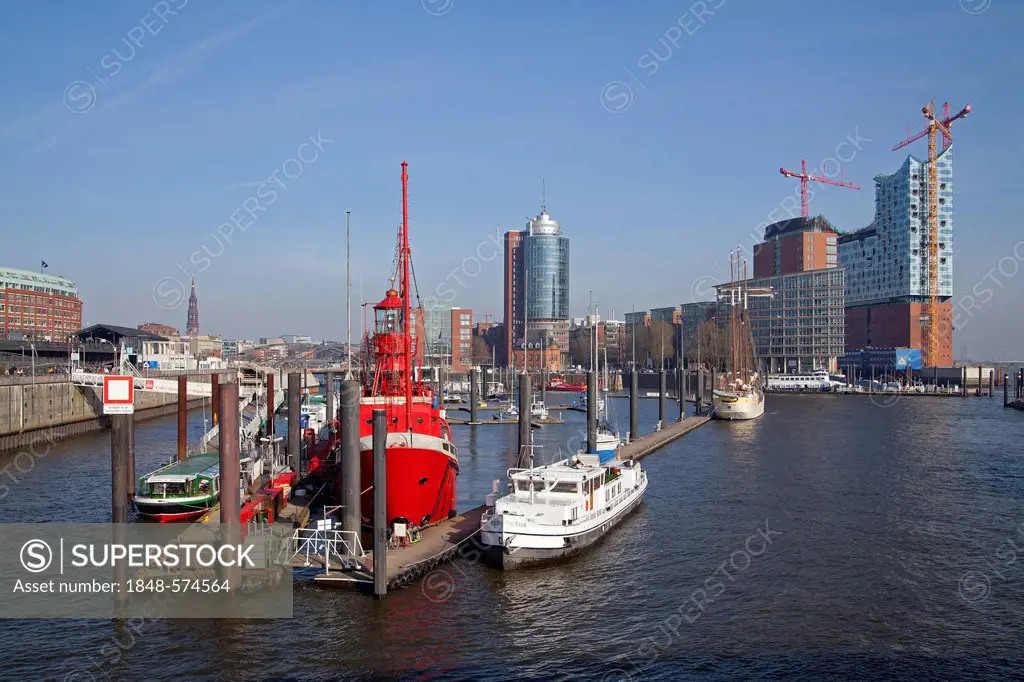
x=834, y=538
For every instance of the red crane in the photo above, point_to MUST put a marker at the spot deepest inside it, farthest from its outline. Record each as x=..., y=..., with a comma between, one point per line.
x=805, y=177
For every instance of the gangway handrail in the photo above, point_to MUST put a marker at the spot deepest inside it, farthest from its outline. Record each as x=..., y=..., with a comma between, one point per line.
x=323, y=543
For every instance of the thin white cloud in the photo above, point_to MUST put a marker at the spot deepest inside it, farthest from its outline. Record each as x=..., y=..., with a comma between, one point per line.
x=177, y=65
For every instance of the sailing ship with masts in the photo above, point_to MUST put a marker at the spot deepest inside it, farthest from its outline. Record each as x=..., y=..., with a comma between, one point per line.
x=739, y=393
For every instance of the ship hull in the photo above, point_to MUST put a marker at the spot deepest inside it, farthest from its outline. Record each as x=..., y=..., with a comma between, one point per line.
x=561, y=546
x=155, y=509
x=737, y=407
x=420, y=483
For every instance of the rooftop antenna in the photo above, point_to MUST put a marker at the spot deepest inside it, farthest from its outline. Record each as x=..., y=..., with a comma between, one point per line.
x=543, y=196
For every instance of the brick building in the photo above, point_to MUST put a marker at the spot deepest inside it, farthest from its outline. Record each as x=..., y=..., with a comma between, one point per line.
x=38, y=306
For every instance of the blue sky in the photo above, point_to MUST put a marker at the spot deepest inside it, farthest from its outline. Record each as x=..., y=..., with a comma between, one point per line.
x=131, y=134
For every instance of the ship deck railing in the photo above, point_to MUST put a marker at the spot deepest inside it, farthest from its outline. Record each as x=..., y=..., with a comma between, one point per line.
x=325, y=546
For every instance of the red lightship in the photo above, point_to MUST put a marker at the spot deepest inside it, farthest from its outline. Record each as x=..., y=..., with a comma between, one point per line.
x=422, y=462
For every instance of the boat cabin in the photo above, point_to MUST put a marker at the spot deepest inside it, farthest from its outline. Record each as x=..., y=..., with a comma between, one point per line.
x=567, y=491
x=197, y=476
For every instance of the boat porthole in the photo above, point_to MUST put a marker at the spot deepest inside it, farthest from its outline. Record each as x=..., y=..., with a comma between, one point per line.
x=423, y=480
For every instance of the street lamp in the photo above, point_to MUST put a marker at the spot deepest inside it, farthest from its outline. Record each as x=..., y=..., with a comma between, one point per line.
x=113, y=347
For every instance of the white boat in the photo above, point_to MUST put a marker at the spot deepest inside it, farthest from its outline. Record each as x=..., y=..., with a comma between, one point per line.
x=508, y=413
x=738, y=404
x=581, y=402
x=818, y=379
x=313, y=414
x=608, y=440
x=557, y=510
x=538, y=410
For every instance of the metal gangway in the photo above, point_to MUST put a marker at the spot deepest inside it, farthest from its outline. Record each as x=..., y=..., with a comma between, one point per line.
x=249, y=430
x=327, y=547
x=195, y=389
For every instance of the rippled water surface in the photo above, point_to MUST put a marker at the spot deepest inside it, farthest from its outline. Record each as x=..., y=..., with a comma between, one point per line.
x=830, y=539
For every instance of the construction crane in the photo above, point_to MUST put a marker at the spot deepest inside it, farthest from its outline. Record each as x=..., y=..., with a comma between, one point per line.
x=947, y=120
x=805, y=177
x=935, y=126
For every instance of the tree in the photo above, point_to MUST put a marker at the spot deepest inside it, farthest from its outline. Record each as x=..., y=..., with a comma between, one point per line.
x=480, y=352
x=713, y=345
x=580, y=347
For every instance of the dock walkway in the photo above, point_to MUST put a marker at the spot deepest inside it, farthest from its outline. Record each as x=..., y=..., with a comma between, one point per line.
x=437, y=545
x=645, y=445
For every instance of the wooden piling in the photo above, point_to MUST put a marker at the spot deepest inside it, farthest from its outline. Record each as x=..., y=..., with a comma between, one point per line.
x=182, y=417
x=991, y=383
x=131, y=459
x=1006, y=391
x=229, y=450
x=680, y=397
x=215, y=397
x=524, y=419
x=474, y=394
x=294, y=425
x=380, y=488
x=661, y=396
x=634, y=389
x=270, y=406
x=121, y=447
x=331, y=414
x=591, y=411
x=349, y=471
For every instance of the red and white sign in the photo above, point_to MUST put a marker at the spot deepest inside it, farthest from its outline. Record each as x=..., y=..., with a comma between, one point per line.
x=118, y=395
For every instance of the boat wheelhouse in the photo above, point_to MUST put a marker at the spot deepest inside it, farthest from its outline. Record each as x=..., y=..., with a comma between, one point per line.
x=557, y=510
x=181, y=490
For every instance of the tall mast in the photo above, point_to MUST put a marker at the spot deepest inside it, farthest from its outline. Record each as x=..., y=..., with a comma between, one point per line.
x=406, y=332
x=526, y=311
x=348, y=288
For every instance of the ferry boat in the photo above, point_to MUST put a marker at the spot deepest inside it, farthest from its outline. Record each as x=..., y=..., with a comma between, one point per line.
x=557, y=510
x=181, y=490
x=818, y=379
x=422, y=461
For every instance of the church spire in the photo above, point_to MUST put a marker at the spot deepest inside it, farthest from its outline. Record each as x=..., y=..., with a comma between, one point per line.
x=192, y=326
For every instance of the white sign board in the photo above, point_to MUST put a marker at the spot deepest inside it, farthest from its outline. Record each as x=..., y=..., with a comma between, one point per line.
x=118, y=394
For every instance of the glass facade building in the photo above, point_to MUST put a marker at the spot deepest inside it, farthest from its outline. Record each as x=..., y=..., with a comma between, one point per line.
x=546, y=261
x=888, y=260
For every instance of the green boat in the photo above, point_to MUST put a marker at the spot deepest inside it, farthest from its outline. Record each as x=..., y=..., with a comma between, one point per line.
x=180, y=490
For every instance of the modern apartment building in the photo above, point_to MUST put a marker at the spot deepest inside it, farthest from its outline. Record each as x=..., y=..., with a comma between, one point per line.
x=801, y=327
x=887, y=263
x=38, y=306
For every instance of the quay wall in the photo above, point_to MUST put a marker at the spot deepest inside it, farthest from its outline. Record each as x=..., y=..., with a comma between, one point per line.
x=51, y=409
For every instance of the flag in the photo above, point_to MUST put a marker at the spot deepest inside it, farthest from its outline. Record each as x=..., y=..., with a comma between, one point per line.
x=44, y=264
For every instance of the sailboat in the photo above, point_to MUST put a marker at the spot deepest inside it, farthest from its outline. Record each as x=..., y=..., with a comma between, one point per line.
x=422, y=461
x=739, y=394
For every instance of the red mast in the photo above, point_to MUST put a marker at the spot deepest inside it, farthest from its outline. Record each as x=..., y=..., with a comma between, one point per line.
x=406, y=313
